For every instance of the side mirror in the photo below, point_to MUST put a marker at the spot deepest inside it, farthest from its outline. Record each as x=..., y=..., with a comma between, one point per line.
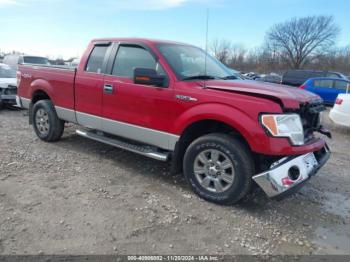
x=147, y=76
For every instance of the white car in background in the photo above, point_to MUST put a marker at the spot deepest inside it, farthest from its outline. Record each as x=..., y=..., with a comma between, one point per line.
x=340, y=113
x=75, y=62
x=8, y=85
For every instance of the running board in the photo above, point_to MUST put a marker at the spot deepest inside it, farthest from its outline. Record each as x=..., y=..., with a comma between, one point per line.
x=143, y=150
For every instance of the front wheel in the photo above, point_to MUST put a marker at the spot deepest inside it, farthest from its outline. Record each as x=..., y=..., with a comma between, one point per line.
x=47, y=126
x=219, y=168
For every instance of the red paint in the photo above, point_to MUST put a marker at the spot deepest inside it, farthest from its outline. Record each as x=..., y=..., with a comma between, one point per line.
x=339, y=101
x=236, y=103
x=286, y=181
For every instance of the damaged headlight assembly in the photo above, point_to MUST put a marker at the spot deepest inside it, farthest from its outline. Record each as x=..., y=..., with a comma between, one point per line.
x=284, y=125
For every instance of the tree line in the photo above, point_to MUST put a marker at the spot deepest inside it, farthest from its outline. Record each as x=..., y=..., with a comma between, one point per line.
x=299, y=43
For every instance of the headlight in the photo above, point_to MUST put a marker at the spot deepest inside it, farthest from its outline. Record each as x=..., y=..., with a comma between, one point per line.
x=18, y=76
x=288, y=125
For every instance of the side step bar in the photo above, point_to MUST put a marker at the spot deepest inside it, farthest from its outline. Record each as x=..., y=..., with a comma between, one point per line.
x=144, y=150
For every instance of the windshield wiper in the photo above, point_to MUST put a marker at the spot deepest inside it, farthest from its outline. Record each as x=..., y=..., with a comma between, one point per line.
x=201, y=77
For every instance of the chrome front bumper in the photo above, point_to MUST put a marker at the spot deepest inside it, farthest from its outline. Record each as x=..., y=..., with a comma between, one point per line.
x=8, y=95
x=289, y=173
x=8, y=99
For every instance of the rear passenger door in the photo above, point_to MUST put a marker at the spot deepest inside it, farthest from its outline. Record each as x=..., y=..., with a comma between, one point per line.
x=89, y=87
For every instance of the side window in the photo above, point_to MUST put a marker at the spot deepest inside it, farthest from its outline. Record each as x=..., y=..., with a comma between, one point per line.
x=96, y=58
x=323, y=83
x=342, y=85
x=130, y=57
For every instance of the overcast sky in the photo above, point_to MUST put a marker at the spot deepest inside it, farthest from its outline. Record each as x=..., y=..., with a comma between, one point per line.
x=64, y=27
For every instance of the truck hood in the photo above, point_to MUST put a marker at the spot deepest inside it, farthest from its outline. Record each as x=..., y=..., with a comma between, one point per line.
x=5, y=82
x=289, y=97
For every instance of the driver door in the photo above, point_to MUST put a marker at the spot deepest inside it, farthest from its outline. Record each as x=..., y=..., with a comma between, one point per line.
x=132, y=110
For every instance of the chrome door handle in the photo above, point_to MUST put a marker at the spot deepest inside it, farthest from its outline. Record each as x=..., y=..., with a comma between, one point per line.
x=108, y=89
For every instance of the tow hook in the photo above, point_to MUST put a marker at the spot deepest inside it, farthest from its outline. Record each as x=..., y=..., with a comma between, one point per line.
x=325, y=132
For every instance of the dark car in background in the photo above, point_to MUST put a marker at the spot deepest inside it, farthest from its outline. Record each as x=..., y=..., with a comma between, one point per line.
x=327, y=88
x=272, y=78
x=298, y=77
x=235, y=74
x=251, y=76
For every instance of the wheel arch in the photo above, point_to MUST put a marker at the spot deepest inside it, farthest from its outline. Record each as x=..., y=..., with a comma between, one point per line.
x=37, y=95
x=41, y=89
x=199, y=128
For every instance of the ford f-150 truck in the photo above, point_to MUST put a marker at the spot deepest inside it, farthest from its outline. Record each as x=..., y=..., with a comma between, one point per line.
x=172, y=101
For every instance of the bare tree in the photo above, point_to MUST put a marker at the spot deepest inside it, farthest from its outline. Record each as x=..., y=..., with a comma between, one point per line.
x=221, y=49
x=337, y=59
x=237, y=56
x=299, y=39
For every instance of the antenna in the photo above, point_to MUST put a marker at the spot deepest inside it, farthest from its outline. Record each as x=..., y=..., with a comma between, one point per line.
x=206, y=46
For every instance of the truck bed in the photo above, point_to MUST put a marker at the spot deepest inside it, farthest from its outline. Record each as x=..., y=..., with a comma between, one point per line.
x=53, y=78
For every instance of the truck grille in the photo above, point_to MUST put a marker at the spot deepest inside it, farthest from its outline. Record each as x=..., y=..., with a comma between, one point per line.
x=310, y=114
x=11, y=90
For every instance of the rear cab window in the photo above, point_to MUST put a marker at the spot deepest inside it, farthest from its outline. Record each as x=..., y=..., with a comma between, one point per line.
x=35, y=60
x=96, y=60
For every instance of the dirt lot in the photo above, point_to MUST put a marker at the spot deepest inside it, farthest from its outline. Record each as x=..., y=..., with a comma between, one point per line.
x=81, y=197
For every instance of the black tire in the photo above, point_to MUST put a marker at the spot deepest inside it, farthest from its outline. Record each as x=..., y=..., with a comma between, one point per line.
x=241, y=161
x=55, y=125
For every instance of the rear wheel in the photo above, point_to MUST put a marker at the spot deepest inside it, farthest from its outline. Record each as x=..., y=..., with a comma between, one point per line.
x=47, y=126
x=219, y=168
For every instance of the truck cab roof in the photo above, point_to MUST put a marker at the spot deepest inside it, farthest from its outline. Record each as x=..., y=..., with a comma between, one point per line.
x=142, y=40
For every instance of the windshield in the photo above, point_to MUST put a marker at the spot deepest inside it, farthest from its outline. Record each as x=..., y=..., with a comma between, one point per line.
x=35, y=60
x=188, y=62
x=7, y=72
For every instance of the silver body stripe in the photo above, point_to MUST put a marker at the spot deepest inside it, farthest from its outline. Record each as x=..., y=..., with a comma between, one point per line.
x=145, y=135
x=66, y=114
x=25, y=102
x=89, y=121
x=149, y=136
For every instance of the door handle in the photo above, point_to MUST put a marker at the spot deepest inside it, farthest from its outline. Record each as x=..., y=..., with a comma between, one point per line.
x=108, y=89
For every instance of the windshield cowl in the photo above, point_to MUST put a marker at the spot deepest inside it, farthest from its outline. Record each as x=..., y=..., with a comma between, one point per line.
x=208, y=77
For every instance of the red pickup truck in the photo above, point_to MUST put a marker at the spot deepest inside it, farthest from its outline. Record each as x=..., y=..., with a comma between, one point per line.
x=172, y=101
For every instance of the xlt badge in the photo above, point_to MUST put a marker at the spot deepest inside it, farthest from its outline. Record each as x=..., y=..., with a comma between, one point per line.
x=186, y=98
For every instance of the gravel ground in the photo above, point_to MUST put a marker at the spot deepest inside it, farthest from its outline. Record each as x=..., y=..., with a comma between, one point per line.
x=81, y=197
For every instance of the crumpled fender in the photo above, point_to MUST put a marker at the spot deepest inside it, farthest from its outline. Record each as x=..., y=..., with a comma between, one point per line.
x=249, y=128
